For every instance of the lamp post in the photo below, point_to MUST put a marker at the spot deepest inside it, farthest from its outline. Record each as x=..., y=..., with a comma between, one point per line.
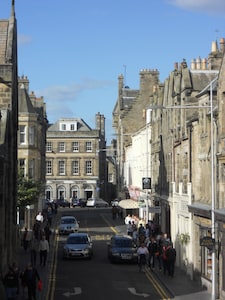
x=213, y=172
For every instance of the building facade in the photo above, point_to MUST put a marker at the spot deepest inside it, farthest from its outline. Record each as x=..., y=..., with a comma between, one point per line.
x=8, y=142
x=186, y=160
x=76, y=160
x=32, y=127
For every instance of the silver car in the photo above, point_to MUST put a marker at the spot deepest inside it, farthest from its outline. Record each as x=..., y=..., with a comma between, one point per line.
x=78, y=245
x=68, y=224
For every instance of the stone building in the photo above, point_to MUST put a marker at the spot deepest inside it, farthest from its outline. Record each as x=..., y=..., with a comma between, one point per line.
x=129, y=117
x=187, y=161
x=8, y=141
x=32, y=127
x=76, y=159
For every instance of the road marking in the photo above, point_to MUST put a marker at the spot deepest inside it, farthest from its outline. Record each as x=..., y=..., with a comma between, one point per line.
x=156, y=285
x=133, y=291
x=77, y=291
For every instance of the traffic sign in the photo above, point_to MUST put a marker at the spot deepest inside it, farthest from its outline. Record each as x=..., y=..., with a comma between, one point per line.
x=146, y=183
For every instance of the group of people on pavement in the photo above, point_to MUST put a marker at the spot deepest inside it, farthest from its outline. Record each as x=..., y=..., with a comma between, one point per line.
x=36, y=241
x=153, y=245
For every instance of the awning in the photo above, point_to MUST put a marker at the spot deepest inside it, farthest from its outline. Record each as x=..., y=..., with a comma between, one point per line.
x=128, y=204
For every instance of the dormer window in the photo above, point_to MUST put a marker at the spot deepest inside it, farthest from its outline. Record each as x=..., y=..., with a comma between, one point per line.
x=68, y=126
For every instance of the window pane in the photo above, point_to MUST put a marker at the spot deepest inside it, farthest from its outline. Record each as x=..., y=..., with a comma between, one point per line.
x=88, y=167
x=61, y=147
x=61, y=167
x=49, y=146
x=49, y=167
x=22, y=137
x=75, y=146
x=75, y=167
x=88, y=146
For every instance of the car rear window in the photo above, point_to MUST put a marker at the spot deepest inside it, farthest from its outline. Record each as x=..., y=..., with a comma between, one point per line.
x=67, y=221
x=122, y=243
x=77, y=240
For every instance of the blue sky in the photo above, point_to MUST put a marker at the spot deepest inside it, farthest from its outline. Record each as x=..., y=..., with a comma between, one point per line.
x=73, y=51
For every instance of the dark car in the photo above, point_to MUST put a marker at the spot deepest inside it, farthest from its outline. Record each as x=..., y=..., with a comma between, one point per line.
x=62, y=203
x=122, y=248
x=75, y=202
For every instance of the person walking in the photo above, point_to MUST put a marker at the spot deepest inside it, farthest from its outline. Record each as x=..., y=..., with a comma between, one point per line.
x=11, y=283
x=171, y=258
x=142, y=256
x=33, y=251
x=30, y=279
x=25, y=239
x=152, y=248
x=43, y=250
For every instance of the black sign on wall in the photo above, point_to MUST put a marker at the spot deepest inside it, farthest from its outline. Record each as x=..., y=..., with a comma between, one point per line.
x=146, y=183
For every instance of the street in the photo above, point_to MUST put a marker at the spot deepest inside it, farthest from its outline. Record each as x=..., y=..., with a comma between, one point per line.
x=96, y=278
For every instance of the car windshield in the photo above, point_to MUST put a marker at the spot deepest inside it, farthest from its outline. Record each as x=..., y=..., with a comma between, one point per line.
x=122, y=243
x=77, y=240
x=67, y=221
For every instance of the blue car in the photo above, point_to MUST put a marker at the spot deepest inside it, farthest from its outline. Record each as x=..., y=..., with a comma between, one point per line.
x=122, y=248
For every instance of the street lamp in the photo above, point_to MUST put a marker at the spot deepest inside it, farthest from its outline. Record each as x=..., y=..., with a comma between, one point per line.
x=211, y=85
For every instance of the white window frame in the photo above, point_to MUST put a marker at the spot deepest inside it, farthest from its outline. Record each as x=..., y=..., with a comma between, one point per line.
x=62, y=147
x=62, y=167
x=48, y=146
x=75, y=146
x=48, y=167
x=22, y=134
x=88, y=146
x=88, y=167
x=63, y=127
x=75, y=167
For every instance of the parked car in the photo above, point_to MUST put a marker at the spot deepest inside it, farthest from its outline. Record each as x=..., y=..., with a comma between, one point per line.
x=101, y=203
x=122, y=248
x=92, y=202
x=68, y=224
x=75, y=202
x=63, y=203
x=83, y=202
x=78, y=245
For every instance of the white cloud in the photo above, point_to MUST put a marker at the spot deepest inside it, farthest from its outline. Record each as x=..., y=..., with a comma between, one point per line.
x=207, y=6
x=71, y=91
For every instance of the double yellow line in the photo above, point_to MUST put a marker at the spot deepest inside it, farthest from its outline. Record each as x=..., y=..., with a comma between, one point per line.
x=160, y=290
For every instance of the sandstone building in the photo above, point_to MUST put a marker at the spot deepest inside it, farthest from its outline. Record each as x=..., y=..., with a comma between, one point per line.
x=183, y=122
x=76, y=159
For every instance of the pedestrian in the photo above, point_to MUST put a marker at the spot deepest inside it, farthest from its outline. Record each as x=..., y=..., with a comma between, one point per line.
x=25, y=240
x=129, y=229
x=40, y=217
x=142, y=256
x=11, y=283
x=152, y=248
x=47, y=232
x=43, y=250
x=30, y=278
x=171, y=258
x=33, y=251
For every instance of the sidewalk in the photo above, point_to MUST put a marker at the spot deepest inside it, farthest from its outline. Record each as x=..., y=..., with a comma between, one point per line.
x=181, y=287
x=24, y=259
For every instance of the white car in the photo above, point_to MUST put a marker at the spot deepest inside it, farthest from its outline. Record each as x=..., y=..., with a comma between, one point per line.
x=92, y=202
x=68, y=224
